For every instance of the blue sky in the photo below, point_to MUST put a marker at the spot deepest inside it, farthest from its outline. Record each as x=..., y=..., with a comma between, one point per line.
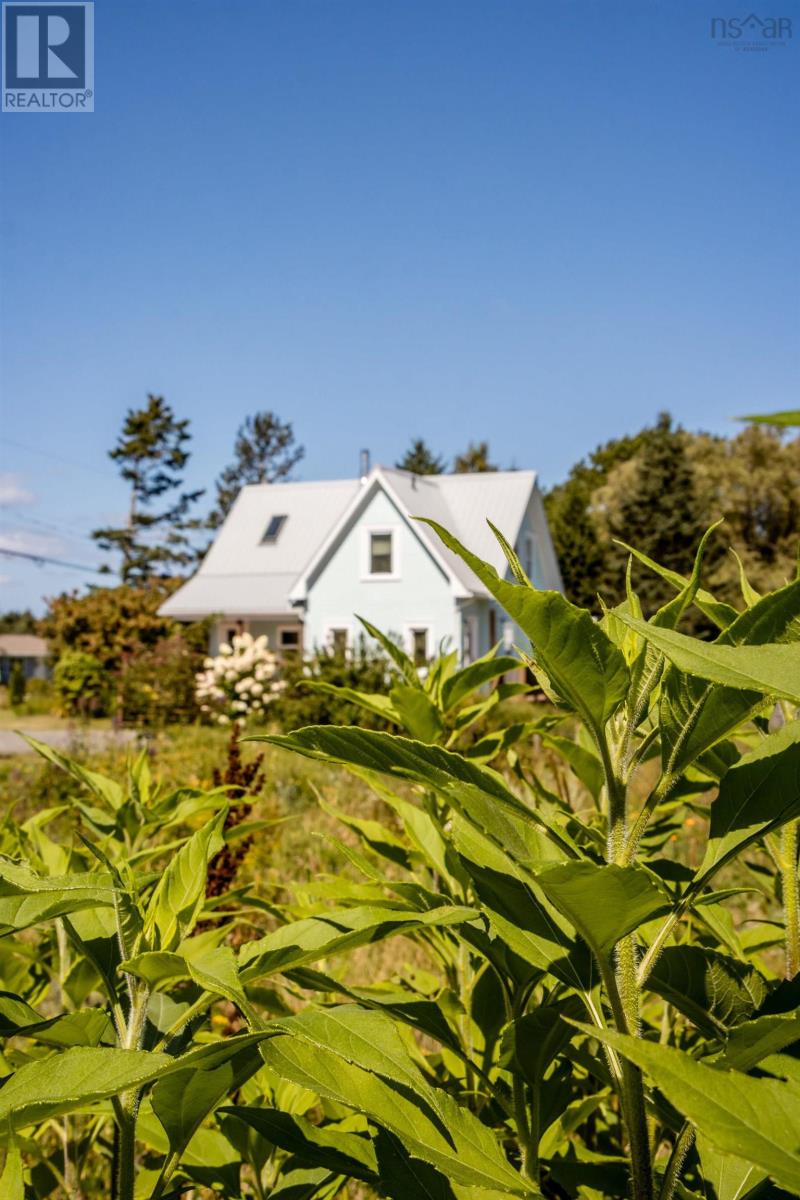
x=533, y=223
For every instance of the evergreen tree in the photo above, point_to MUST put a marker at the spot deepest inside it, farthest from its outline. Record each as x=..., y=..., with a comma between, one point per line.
x=152, y=453
x=474, y=459
x=420, y=459
x=578, y=549
x=660, y=514
x=265, y=452
x=579, y=538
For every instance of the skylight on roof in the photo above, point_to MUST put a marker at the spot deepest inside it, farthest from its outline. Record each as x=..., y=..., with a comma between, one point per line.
x=272, y=532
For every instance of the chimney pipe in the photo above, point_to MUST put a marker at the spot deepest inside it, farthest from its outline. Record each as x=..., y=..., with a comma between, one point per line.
x=364, y=464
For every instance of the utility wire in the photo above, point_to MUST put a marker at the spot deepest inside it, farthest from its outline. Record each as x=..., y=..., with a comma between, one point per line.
x=70, y=462
x=41, y=559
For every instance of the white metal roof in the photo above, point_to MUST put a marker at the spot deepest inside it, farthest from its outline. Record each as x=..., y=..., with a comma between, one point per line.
x=242, y=576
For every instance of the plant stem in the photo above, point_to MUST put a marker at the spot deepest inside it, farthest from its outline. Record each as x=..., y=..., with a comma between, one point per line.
x=529, y=1149
x=633, y=1105
x=127, y=1106
x=126, y=1162
x=790, y=884
x=683, y=1144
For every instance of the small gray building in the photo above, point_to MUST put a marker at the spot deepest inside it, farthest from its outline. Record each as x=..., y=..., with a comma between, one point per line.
x=30, y=650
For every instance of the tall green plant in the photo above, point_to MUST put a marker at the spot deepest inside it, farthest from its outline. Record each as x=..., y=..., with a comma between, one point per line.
x=601, y=997
x=603, y=1009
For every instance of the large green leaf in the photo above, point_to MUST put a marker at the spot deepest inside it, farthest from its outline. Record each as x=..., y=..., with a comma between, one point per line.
x=28, y=899
x=359, y=1060
x=712, y=989
x=107, y=790
x=87, y=1027
x=772, y=669
x=178, y=896
x=464, y=784
x=727, y=1177
x=213, y=968
x=341, y=1151
x=333, y=932
x=183, y=1099
x=533, y=1041
x=757, y=795
x=469, y=678
x=417, y=714
x=719, y=613
x=786, y=418
x=61, y=1083
x=603, y=903
x=758, y=1038
x=696, y=714
x=753, y=1119
x=580, y=660
x=374, y=702
x=396, y=654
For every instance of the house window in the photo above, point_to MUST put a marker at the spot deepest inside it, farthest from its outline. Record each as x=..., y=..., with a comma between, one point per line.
x=469, y=639
x=272, y=532
x=337, y=640
x=492, y=627
x=289, y=641
x=529, y=555
x=419, y=646
x=380, y=554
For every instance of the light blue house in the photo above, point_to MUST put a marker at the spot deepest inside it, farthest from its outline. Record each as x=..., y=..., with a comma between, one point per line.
x=297, y=561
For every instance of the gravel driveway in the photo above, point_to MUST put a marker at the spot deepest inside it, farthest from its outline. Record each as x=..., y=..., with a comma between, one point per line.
x=66, y=739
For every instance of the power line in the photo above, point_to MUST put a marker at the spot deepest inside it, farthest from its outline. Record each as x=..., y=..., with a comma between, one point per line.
x=41, y=559
x=66, y=531
x=70, y=462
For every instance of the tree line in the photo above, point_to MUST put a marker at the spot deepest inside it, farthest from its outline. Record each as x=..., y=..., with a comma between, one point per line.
x=162, y=535
x=658, y=490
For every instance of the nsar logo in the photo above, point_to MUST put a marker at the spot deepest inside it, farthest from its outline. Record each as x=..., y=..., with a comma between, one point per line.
x=751, y=32
x=48, y=57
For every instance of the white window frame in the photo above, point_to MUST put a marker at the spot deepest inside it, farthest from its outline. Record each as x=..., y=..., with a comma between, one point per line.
x=281, y=629
x=412, y=627
x=327, y=635
x=366, y=554
x=530, y=555
x=471, y=622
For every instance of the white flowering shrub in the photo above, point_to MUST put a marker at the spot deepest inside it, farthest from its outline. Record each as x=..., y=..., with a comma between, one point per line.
x=239, y=683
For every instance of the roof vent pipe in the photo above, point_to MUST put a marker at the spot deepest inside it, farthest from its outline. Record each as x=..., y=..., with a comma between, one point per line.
x=364, y=465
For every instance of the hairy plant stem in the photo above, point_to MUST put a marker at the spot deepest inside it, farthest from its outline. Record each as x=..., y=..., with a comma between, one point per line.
x=127, y=1106
x=683, y=1144
x=633, y=1104
x=790, y=886
x=623, y=994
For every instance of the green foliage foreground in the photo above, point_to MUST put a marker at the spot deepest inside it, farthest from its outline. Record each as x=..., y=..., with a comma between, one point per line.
x=593, y=1023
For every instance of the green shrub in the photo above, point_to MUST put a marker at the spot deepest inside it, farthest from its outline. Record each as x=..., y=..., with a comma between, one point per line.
x=157, y=686
x=302, y=702
x=82, y=686
x=16, y=684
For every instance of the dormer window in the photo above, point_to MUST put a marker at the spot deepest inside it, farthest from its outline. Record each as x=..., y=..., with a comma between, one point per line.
x=272, y=532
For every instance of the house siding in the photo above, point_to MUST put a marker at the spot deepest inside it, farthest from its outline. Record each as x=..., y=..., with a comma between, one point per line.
x=418, y=594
